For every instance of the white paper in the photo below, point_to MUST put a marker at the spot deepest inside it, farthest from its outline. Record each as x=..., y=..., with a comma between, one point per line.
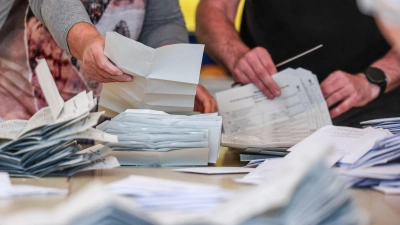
x=388, y=190
x=252, y=120
x=215, y=170
x=353, y=143
x=49, y=88
x=165, y=78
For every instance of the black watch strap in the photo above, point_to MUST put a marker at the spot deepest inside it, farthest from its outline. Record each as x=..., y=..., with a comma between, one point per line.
x=378, y=77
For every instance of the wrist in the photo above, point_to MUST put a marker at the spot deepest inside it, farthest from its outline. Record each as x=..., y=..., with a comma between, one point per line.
x=80, y=37
x=372, y=89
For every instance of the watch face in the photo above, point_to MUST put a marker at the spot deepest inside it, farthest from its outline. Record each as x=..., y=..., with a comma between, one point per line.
x=375, y=75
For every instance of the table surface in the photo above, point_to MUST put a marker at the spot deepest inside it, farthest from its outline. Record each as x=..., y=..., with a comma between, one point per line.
x=382, y=209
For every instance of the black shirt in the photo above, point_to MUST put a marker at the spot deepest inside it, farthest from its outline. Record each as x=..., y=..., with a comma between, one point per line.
x=351, y=40
x=286, y=28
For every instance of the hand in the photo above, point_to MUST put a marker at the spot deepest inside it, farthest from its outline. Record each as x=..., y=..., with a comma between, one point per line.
x=257, y=67
x=203, y=101
x=347, y=91
x=97, y=66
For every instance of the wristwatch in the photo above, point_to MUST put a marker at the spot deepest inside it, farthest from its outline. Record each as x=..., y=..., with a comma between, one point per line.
x=378, y=77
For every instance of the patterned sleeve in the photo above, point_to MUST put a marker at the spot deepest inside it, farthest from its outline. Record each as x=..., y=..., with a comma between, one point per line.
x=163, y=24
x=59, y=16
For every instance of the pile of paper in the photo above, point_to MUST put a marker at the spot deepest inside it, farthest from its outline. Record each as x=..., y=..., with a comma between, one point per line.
x=347, y=145
x=148, y=137
x=391, y=124
x=45, y=143
x=153, y=194
x=165, y=78
x=252, y=120
x=379, y=168
x=7, y=190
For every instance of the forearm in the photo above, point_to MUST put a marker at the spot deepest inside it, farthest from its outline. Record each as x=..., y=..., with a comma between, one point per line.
x=216, y=29
x=80, y=36
x=59, y=17
x=390, y=64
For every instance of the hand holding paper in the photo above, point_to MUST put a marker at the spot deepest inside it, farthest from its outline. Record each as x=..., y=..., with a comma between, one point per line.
x=165, y=78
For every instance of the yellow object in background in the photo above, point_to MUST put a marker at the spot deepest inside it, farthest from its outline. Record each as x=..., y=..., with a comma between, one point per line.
x=189, y=12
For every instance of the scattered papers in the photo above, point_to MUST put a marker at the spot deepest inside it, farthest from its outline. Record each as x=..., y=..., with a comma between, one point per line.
x=215, y=170
x=7, y=190
x=255, y=163
x=45, y=143
x=153, y=194
x=156, y=131
x=352, y=143
x=390, y=124
x=165, y=78
x=252, y=120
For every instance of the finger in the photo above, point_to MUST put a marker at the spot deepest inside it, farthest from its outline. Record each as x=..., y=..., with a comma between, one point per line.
x=109, y=70
x=246, y=69
x=343, y=107
x=338, y=96
x=266, y=60
x=333, y=83
x=263, y=74
x=111, y=78
x=241, y=78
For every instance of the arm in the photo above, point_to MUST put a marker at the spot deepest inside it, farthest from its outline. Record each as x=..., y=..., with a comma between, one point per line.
x=69, y=24
x=347, y=91
x=215, y=28
x=163, y=24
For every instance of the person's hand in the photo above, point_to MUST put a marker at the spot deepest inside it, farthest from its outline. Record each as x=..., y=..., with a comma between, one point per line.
x=97, y=66
x=203, y=101
x=257, y=67
x=345, y=91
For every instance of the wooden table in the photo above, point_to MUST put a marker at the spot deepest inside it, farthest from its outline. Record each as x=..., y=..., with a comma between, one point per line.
x=382, y=209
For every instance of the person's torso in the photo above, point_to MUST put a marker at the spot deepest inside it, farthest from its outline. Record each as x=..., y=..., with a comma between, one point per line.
x=23, y=39
x=286, y=28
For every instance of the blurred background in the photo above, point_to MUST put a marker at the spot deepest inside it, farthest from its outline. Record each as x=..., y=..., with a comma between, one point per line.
x=213, y=77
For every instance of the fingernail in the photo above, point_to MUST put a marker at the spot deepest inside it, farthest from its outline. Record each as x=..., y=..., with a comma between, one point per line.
x=277, y=92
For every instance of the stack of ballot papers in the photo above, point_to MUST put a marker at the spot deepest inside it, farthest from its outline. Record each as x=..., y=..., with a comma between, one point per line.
x=391, y=124
x=45, y=144
x=347, y=146
x=148, y=137
x=379, y=168
x=7, y=190
x=252, y=120
x=164, y=79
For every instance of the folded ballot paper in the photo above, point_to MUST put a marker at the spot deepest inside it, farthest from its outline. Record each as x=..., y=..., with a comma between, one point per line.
x=252, y=120
x=45, y=144
x=148, y=137
x=165, y=78
x=303, y=191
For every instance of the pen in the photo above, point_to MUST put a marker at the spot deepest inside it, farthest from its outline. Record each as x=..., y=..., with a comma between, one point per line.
x=289, y=60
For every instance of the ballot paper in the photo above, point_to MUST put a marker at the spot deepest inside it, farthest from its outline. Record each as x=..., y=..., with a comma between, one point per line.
x=45, y=144
x=352, y=143
x=7, y=190
x=252, y=120
x=159, y=132
x=165, y=78
x=215, y=170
